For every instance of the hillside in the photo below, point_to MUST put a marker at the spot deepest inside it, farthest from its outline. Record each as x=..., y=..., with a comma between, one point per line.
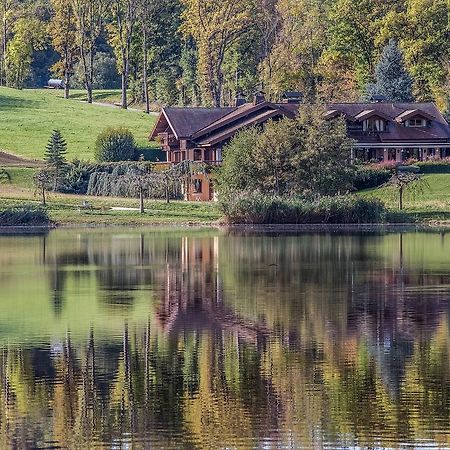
x=28, y=116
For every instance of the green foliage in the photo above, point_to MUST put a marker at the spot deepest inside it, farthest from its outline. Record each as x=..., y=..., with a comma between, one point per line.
x=392, y=79
x=105, y=73
x=29, y=36
x=55, y=158
x=115, y=144
x=367, y=177
x=25, y=215
x=308, y=156
x=258, y=208
x=436, y=166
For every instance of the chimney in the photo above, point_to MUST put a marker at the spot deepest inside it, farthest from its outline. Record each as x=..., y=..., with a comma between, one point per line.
x=259, y=97
x=376, y=98
x=239, y=100
x=293, y=97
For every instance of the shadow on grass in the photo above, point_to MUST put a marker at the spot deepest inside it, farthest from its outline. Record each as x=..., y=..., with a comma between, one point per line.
x=8, y=103
x=97, y=96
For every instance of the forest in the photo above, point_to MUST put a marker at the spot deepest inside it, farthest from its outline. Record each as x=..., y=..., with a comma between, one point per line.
x=205, y=52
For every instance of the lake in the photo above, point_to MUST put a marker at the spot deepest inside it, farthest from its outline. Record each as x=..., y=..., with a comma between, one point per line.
x=211, y=338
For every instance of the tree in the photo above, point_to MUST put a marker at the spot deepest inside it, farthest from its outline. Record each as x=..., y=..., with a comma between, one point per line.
x=115, y=144
x=62, y=29
x=138, y=176
x=90, y=15
x=215, y=25
x=55, y=158
x=29, y=35
x=305, y=156
x=405, y=180
x=121, y=33
x=392, y=79
x=6, y=10
x=43, y=183
x=293, y=61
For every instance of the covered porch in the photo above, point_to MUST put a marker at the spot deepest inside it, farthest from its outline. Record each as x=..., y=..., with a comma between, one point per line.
x=401, y=153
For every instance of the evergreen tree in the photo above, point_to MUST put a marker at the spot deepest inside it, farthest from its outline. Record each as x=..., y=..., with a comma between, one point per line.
x=392, y=79
x=55, y=157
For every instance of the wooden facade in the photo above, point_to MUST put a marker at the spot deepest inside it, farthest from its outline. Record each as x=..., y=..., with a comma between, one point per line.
x=382, y=131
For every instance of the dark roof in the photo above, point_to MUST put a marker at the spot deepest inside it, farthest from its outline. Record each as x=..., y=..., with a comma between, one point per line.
x=413, y=113
x=391, y=110
x=208, y=126
x=223, y=134
x=249, y=109
x=186, y=121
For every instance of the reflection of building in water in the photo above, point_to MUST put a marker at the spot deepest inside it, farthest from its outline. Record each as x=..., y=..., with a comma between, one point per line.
x=192, y=297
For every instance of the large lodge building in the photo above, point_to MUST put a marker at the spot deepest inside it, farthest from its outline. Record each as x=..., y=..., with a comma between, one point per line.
x=382, y=131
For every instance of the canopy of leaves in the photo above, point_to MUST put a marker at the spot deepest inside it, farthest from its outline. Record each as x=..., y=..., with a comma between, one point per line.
x=306, y=156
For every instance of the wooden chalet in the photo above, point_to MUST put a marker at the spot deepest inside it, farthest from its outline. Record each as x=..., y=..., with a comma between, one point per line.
x=382, y=131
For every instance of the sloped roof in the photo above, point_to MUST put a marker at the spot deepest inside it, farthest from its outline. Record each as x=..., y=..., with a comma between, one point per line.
x=240, y=113
x=413, y=113
x=186, y=121
x=367, y=113
x=230, y=131
x=391, y=110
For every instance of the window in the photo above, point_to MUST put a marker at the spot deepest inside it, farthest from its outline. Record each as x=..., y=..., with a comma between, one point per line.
x=416, y=123
x=197, y=155
x=197, y=186
x=373, y=125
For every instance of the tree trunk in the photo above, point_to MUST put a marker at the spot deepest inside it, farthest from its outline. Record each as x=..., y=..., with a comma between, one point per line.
x=66, y=84
x=400, y=198
x=144, y=70
x=124, y=90
x=43, y=196
x=141, y=201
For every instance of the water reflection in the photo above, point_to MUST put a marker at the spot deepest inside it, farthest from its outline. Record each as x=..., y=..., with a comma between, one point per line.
x=208, y=339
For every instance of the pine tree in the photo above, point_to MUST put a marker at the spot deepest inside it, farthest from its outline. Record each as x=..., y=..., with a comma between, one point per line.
x=55, y=158
x=392, y=79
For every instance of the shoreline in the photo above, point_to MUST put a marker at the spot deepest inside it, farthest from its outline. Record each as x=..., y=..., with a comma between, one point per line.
x=250, y=228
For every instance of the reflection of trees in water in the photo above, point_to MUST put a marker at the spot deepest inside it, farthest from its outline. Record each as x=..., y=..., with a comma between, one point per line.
x=315, y=338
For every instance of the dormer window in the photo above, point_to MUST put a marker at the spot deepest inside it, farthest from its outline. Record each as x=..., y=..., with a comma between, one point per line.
x=416, y=122
x=374, y=124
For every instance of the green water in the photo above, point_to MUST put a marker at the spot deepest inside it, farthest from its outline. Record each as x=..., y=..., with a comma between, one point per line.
x=224, y=339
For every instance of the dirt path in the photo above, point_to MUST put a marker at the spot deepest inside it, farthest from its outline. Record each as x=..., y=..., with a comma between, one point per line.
x=10, y=160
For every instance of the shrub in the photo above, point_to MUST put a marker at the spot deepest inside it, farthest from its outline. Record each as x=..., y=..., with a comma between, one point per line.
x=367, y=177
x=257, y=208
x=434, y=166
x=26, y=215
x=115, y=144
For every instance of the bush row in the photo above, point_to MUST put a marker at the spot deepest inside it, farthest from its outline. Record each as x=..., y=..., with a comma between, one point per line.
x=257, y=208
x=28, y=215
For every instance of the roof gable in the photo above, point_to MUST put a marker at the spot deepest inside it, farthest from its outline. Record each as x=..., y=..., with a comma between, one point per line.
x=240, y=114
x=410, y=113
x=184, y=122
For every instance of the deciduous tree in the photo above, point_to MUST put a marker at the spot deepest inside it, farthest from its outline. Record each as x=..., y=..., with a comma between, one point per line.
x=62, y=29
x=90, y=16
x=215, y=26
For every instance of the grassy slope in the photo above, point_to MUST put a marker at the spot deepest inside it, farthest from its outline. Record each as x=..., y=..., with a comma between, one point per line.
x=27, y=118
x=433, y=203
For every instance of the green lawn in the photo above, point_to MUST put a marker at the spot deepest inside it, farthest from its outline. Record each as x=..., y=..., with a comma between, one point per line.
x=433, y=203
x=28, y=117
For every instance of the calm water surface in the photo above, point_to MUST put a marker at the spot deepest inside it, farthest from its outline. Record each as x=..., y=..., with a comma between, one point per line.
x=217, y=339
